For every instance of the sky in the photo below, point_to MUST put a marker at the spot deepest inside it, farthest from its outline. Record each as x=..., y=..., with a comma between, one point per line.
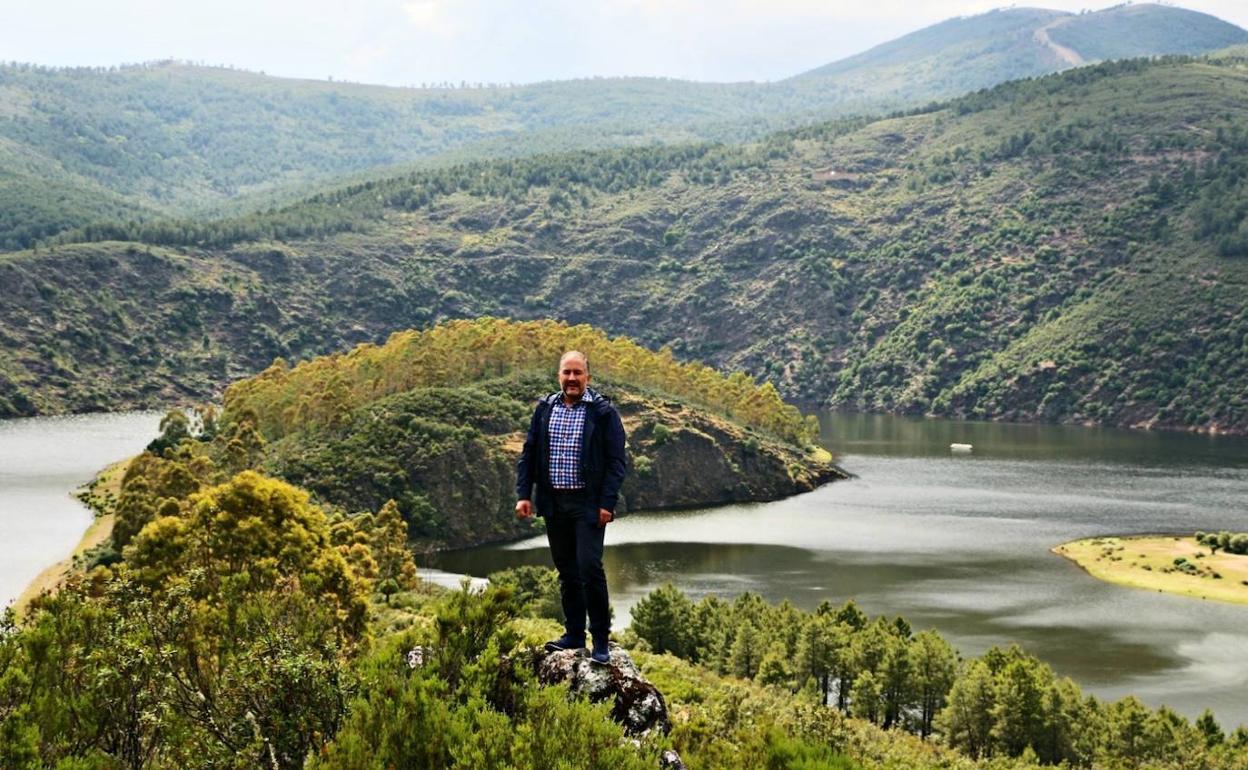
x=411, y=42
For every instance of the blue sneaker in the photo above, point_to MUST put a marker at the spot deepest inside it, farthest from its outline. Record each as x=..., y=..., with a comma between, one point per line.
x=601, y=653
x=566, y=642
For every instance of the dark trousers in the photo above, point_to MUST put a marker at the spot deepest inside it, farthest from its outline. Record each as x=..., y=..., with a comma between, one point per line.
x=576, y=547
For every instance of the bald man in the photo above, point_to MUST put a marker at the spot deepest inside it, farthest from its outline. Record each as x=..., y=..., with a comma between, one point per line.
x=570, y=473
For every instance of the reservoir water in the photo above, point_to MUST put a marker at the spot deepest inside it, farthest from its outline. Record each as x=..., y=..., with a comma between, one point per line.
x=42, y=461
x=960, y=543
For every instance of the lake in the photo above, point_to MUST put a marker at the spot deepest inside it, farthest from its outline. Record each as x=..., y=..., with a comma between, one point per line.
x=960, y=543
x=42, y=461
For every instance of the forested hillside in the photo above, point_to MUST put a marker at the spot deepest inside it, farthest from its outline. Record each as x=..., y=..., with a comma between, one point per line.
x=174, y=138
x=1069, y=249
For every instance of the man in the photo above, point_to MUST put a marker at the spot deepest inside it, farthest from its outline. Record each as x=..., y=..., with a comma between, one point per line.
x=570, y=473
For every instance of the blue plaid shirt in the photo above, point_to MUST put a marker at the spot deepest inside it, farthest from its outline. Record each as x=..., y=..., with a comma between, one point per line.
x=567, y=431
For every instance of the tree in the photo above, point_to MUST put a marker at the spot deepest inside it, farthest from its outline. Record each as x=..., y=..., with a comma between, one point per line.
x=896, y=680
x=935, y=666
x=175, y=427
x=244, y=443
x=390, y=549
x=536, y=590
x=249, y=534
x=1065, y=719
x=785, y=622
x=746, y=652
x=1208, y=726
x=819, y=645
x=135, y=508
x=968, y=718
x=852, y=616
x=711, y=632
x=1017, y=711
x=1126, y=725
x=774, y=668
x=664, y=618
x=867, y=698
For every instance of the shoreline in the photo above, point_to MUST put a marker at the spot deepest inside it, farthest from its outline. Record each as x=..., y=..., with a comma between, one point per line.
x=1165, y=563
x=96, y=496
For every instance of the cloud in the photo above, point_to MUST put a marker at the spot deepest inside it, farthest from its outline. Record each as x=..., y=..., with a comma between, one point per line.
x=431, y=17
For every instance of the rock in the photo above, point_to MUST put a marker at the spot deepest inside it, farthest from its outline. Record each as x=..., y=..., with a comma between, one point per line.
x=638, y=704
x=418, y=656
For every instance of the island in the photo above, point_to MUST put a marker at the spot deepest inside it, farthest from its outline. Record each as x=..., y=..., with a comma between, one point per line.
x=1177, y=564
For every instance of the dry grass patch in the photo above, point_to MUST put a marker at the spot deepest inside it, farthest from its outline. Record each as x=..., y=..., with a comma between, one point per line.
x=1170, y=563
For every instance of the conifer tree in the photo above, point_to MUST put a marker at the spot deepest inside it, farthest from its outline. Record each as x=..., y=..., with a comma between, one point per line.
x=746, y=652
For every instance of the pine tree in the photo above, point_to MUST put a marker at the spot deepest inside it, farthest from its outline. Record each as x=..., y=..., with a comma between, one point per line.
x=747, y=651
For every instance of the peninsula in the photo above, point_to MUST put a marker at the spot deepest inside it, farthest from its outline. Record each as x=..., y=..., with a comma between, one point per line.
x=1171, y=563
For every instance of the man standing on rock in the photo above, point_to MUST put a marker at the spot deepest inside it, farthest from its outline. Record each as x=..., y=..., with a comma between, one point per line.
x=570, y=473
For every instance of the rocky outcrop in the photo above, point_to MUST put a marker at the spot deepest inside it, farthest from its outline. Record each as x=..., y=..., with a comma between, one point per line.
x=682, y=456
x=637, y=704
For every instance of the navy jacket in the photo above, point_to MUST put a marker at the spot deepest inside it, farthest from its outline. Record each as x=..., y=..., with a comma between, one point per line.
x=602, y=457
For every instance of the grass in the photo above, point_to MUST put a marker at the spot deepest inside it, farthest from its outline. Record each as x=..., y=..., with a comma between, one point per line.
x=1152, y=562
x=99, y=495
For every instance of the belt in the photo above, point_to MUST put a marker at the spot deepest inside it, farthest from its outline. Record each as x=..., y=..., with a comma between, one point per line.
x=576, y=491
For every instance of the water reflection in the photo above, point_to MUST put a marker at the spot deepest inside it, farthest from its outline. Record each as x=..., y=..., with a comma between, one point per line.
x=960, y=543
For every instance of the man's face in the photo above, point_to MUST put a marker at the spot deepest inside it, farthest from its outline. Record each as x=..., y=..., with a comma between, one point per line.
x=573, y=377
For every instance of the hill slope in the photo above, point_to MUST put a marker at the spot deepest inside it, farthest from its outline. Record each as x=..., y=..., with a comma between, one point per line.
x=1066, y=249
x=180, y=139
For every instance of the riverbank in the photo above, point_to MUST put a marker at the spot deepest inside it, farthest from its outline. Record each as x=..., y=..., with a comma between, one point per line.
x=1167, y=563
x=99, y=495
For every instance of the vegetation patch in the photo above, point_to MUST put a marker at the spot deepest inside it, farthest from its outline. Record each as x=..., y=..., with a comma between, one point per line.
x=1169, y=563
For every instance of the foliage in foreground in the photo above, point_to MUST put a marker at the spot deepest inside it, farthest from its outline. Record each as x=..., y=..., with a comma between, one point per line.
x=471, y=704
x=219, y=640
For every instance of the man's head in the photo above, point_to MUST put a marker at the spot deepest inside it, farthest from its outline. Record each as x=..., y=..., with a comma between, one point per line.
x=573, y=375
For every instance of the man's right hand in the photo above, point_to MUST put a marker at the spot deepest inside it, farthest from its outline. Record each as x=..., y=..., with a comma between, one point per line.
x=524, y=509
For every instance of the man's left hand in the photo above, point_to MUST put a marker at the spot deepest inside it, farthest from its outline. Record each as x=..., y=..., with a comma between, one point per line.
x=604, y=516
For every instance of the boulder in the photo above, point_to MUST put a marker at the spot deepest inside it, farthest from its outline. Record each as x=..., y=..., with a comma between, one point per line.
x=638, y=704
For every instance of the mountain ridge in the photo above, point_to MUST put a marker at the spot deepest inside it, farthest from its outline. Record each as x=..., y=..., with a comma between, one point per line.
x=191, y=141
x=1065, y=249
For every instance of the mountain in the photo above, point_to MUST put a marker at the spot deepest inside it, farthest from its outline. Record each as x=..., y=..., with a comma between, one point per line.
x=967, y=53
x=952, y=57
x=82, y=145
x=1070, y=248
x=1125, y=30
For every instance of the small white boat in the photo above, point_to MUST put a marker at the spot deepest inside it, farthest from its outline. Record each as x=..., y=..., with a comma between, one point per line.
x=960, y=447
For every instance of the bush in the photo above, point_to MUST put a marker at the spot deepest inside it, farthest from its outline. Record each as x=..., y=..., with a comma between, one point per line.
x=661, y=434
x=536, y=590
